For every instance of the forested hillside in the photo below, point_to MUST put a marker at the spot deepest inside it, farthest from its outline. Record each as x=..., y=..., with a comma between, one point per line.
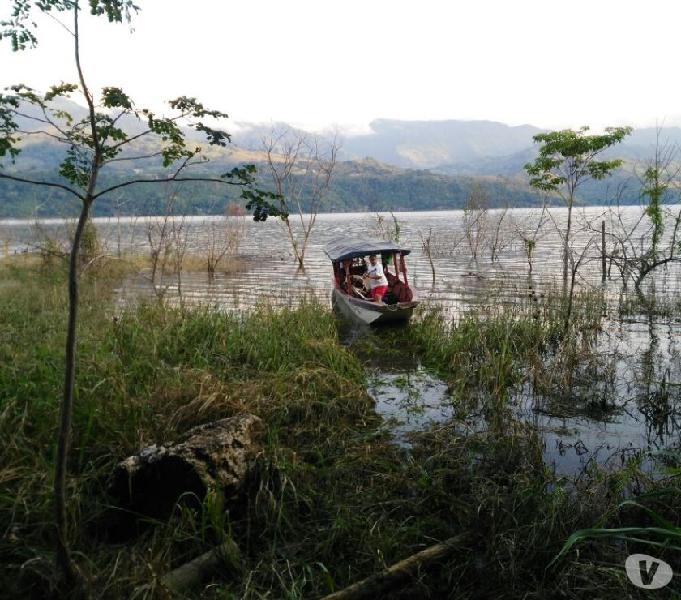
x=400, y=165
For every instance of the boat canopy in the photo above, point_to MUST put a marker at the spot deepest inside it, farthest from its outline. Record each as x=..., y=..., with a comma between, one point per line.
x=346, y=248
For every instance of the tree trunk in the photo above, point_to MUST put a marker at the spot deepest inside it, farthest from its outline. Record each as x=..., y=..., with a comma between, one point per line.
x=566, y=244
x=294, y=245
x=216, y=456
x=568, y=310
x=63, y=555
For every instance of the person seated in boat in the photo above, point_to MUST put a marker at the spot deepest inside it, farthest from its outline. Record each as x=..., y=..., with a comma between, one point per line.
x=378, y=284
x=357, y=271
x=398, y=291
x=358, y=267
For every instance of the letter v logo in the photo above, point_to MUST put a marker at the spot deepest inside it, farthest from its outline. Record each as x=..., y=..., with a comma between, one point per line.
x=648, y=572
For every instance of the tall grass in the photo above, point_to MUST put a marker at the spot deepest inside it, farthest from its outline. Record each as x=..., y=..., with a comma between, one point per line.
x=144, y=376
x=332, y=499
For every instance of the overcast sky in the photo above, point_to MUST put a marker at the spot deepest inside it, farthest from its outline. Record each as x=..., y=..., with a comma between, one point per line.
x=317, y=63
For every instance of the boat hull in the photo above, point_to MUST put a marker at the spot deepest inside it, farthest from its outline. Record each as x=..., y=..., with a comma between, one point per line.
x=372, y=313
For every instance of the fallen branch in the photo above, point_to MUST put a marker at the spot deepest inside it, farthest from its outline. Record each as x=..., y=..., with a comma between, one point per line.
x=378, y=583
x=191, y=574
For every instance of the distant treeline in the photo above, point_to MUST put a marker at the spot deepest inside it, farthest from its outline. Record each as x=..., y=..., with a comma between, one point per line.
x=353, y=189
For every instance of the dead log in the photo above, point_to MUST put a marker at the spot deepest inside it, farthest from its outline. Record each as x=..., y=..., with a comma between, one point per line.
x=194, y=572
x=212, y=457
x=377, y=584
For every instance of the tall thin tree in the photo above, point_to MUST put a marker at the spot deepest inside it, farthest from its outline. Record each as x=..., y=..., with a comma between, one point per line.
x=566, y=160
x=91, y=144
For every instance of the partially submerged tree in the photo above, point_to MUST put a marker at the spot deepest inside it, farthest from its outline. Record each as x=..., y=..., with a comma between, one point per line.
x=427, y=246
x=92, y=144
x=658, y=180
x=475, y=218
x=499, y=238
x=161, y=244
x=300, y=168
x=218, y=245
x=653, y=239
x=567, y=159
x=387, y=230
x=529, y=233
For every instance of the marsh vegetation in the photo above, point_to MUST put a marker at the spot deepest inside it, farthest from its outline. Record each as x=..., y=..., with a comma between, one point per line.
x=340, y=490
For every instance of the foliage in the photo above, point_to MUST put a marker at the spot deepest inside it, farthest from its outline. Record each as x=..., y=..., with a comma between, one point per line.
x=652, y=241
x=655, y=190
x=108, y=142
x=566, y=160
x=568, y=157
x=113, y=130
x=657, y=180
x=354, y=188
x=20, y=28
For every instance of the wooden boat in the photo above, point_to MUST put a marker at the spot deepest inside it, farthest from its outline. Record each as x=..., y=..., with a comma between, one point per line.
x=350, y=298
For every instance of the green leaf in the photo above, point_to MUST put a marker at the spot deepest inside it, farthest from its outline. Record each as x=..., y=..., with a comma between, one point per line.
x=215, y=136
x=63, y=89
x=113, y=97
x=258, y=202
x=20, y=26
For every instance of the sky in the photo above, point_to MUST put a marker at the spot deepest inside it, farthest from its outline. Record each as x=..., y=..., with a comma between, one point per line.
x=319, y=64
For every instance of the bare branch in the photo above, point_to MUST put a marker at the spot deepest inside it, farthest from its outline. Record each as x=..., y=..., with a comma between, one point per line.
x=45, y=133
x=43, y=183
x=123, y=158
x=165, y=180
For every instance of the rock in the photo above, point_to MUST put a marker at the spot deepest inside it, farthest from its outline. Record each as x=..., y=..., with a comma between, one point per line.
x=214, y=456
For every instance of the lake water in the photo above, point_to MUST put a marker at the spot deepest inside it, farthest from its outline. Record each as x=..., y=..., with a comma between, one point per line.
x=634, y=402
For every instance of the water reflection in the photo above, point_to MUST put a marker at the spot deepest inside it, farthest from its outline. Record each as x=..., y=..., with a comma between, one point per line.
x=409, y=400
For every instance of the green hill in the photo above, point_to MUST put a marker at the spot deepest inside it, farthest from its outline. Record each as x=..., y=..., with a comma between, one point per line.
x=414, y=166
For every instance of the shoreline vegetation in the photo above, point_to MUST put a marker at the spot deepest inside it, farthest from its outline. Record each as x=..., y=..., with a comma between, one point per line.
x=333, y=499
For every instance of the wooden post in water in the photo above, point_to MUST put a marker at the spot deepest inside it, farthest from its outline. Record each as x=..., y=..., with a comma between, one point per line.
x=603, y=268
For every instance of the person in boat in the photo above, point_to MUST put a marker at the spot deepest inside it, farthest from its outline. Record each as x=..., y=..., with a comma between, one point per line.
x=357, y=273
x=378, y=283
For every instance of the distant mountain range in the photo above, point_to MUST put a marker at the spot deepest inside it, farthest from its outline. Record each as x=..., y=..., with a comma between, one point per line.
x=400, y=165
x=457, y=147
x=418, y=144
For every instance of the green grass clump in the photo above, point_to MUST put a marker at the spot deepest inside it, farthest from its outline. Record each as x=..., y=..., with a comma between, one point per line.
x=145, y=375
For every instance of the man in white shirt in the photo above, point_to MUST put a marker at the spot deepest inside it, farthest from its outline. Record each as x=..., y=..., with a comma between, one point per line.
x=378, y=282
